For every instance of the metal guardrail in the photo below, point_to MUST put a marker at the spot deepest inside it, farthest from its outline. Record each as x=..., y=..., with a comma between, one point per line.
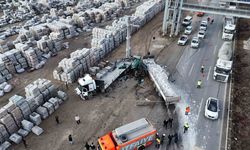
x=217, y=10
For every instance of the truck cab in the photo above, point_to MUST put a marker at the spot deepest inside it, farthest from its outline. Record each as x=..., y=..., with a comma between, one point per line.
x=228, y=28
x=222, y=70
x=131, y=136
x=228, y=32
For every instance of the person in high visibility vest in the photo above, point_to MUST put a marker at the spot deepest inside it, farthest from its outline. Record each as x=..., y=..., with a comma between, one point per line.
x=202, y=68
x=186, y=126
x=187, y=111
x=199, y=84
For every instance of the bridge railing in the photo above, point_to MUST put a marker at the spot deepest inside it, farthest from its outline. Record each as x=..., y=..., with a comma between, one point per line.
x=217, y=10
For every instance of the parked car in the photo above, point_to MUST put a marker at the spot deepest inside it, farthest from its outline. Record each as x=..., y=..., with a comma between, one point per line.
x=188, y=30
x=212, y=108
x=195, y=42
x=183, y=40
x=187, y=21
x=203, y=25
x=202, y=34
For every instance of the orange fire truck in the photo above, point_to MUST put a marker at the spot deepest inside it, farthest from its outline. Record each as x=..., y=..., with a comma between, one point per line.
x=133, y=136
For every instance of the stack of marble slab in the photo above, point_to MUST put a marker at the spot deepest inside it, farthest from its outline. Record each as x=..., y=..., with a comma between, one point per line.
x=35, y=118
x=15, y=112
x=5, y=75
x=9, y=123
x=40, y=90
x=4, y=133
x=14, y=61
x=39, y=30
x=70, y=69
x=20, y=102
x=45, y=44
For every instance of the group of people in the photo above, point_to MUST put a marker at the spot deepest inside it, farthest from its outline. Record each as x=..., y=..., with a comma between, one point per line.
x=160, y=140
x=87, y=145
x=212, y=20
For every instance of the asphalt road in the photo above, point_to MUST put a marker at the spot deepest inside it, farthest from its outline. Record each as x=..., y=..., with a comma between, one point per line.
x=208, y=133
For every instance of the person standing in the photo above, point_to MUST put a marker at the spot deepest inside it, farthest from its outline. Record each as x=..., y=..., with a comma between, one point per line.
x=202, y=68
x=165, y=123
x=70, y=139
x=24, y=143
x=87, y=146
x=176, y=138
x=163, y=138
x=199, y=84
x=77, y=119
x=57, y=119
x=186, y=126
x=170, y=120
x=170, y=137
x=158, y=142
x=92, y=146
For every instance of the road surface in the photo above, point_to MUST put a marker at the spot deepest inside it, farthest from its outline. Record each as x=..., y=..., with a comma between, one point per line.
x=208, y=133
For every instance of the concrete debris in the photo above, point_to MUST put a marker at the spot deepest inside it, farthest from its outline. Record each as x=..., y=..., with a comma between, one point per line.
x=15, y=138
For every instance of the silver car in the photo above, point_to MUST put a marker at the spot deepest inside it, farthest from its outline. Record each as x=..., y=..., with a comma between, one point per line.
x=212, y=108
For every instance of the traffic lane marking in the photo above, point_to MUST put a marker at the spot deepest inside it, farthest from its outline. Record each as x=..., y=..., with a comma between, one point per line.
x=200, y=108
x=222, y=116
x=190, y=71
x=215, y=48
x=208, y=73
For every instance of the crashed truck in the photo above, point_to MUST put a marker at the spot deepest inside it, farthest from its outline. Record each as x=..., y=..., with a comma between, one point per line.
x=132, y=136
x=100, y=81
x=224, y=63
x=161, y=82
x=89, y=85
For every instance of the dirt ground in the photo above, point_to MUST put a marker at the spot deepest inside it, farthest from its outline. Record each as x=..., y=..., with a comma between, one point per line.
x=240, y=136
x=102, y=113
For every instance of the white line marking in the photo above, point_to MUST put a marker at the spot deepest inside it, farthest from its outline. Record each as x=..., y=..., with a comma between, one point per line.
x=215, y=48
x=190, y=71
x=228, y=109
x=209, y=73
x=222, y=116
x=200, y=108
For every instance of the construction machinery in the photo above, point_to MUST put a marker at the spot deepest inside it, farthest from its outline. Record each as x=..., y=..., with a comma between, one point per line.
x=133, y=136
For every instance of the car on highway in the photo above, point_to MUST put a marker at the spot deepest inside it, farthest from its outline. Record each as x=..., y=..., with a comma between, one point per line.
x=187, y=21
x=212, y=108
x=203, y=25
x=200, y=14
x=188, y=30
x=202, y=34
x=183, y=40
x=195, y=42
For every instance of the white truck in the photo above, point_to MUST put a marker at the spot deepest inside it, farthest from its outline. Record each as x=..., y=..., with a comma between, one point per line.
x=102, y=80
x=224, y=63
x=228, y=28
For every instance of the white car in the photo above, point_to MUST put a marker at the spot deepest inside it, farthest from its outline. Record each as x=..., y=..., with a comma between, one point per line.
x=195, y=42
x=183, y=40
x=203, y=25
x=202, y=34
x=188, y=30
x=212, y=108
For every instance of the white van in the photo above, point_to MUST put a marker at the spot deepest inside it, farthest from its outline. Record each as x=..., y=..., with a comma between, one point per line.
x=187, y=21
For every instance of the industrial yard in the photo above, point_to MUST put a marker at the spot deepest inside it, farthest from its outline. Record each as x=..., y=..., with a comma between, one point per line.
x=111, y=73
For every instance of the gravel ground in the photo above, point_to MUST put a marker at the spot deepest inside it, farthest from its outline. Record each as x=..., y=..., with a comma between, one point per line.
x=240, y=136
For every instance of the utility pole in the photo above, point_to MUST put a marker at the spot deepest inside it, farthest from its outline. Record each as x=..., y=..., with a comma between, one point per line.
x=128, y=38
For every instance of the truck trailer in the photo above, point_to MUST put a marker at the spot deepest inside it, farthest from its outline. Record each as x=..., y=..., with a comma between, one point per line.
x=224, y=63
x=136, y=135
